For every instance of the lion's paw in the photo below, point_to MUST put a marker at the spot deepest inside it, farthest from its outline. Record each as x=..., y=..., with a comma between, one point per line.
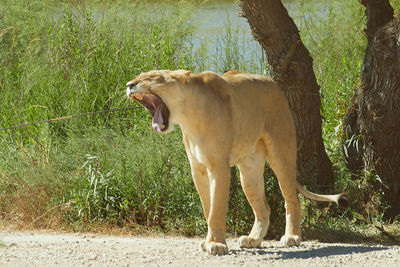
x=290, y=240
x=248, y=242
x=203, y=245
x=213, y=248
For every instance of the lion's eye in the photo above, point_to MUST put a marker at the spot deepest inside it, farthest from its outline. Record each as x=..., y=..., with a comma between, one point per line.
x=131, y=84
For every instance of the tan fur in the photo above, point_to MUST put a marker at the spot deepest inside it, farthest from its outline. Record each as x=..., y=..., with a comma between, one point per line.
x=227, y=120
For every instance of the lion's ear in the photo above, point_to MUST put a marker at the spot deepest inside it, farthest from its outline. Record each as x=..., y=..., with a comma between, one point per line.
x=181, y=76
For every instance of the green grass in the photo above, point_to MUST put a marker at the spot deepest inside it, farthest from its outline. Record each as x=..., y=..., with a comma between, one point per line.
x=75, y=61
x=78, y=59
x=72, y=57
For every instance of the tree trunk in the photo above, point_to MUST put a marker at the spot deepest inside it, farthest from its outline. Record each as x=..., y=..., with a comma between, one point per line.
x=379, y=13
x=291, y=67
x=376, y=104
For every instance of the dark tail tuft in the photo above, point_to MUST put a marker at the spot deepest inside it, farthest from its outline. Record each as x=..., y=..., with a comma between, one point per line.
x=343, y=201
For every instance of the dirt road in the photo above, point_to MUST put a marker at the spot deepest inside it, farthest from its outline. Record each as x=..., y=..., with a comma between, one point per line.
x=50, y=249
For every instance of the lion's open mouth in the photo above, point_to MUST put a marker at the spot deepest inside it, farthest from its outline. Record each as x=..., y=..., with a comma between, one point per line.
x=156, y=107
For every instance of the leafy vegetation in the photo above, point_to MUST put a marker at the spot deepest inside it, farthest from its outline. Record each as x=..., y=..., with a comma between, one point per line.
x=71, y=57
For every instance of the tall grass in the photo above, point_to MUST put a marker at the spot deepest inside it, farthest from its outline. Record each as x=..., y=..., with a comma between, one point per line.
x=60, y=58
x=74, y=60
x=76, y=57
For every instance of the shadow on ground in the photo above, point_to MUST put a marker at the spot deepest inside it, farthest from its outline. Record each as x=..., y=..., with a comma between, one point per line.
x=304, y=252
x=328, y=251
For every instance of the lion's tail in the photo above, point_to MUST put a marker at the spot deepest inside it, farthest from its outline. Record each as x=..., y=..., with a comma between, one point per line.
x=340, y=199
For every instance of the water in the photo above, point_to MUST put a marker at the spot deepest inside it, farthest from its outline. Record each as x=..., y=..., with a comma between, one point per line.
x=214, y=15
x=219, y=26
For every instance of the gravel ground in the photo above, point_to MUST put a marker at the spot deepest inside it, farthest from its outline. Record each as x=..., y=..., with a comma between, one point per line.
x=50, y=249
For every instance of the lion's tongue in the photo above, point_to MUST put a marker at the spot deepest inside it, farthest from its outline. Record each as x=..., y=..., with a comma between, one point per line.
x=158, y=122
x=161, y=115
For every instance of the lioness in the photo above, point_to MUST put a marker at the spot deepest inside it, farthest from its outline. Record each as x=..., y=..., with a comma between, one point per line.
x=227, y=120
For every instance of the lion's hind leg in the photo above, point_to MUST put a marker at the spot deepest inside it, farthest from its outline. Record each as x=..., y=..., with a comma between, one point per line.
x=282, y=160
x=251, y=177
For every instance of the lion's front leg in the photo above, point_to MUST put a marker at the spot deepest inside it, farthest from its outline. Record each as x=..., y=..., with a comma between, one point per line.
x=215, y=243
x=202, y=183
x=200, y=178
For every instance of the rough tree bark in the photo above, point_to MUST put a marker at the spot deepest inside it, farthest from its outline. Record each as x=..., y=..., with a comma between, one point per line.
x=375, y=111
x=291, y=66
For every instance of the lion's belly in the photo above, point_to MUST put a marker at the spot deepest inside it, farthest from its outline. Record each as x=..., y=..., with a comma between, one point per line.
x=242, y=150
x=247, y=134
